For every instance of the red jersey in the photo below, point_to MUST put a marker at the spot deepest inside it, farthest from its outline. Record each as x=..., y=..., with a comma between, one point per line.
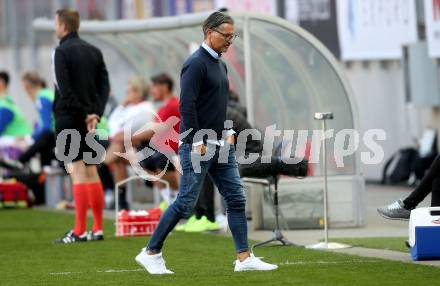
x=165, y=141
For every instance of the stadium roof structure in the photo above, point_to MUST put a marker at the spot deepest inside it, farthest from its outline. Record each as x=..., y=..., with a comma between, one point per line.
x=282, y=74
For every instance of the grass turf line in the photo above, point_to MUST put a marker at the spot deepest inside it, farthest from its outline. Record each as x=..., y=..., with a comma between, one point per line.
x=27, y=257
x=388, y=243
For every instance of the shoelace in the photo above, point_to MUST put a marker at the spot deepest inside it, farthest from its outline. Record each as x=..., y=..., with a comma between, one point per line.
x=395, y=206
x=252, y=256
x=69, y=237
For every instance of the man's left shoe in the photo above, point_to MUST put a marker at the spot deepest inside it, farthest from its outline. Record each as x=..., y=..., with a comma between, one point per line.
x=95, y=235
x=253, y=263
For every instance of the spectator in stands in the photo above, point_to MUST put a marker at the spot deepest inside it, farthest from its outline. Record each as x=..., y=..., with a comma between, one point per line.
x=430, y=183
x=43, y=138
x=132, y=113
x=163, y=137
x=12, y=122
x=234, y=103
x=165, y=141
x=43, y=135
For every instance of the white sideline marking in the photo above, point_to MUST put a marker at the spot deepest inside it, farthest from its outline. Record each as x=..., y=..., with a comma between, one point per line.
x=281, y=263
x=326, y=262
x=120, y=270
x=99, y=271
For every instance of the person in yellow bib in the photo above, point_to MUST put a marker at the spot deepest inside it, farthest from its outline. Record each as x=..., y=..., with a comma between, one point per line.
x=43, y=134
x=12, y=122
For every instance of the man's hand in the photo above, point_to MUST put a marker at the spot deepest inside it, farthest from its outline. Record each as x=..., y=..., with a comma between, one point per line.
x=91, y=121
x=230, y=139
x=200, y=149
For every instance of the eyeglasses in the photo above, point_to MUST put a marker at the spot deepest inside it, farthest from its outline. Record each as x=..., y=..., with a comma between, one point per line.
x=228, y=37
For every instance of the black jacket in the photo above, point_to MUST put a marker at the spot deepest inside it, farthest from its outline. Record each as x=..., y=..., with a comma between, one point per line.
x=81, y=79
x=239, y=124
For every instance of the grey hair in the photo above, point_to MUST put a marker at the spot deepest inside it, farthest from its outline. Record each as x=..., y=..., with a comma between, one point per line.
x=216, y=19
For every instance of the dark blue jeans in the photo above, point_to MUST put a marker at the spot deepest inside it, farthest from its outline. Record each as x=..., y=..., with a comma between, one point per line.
x=224, y=173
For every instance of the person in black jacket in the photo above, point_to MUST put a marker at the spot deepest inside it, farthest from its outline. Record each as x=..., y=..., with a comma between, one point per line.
x=81, y=92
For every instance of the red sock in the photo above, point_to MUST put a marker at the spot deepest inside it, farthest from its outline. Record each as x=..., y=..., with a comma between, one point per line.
x=81, y=205
x=96, y=202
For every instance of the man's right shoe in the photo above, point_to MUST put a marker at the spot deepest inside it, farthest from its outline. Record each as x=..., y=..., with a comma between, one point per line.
x=253, y=263
x=70, y=237
x=154, y=264
x=395, y=211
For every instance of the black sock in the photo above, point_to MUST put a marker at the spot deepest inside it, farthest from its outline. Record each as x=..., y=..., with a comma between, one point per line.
x=407, y=205
x=123, y=204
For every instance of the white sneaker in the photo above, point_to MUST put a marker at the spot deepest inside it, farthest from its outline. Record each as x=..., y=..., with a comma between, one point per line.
x=253, y=263
x=154, y=264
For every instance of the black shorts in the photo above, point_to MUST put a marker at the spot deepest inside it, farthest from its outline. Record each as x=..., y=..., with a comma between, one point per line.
x=157, y=161
x=64, y=145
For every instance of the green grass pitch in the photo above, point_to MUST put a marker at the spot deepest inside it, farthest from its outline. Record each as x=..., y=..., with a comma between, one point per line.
x=27, y=257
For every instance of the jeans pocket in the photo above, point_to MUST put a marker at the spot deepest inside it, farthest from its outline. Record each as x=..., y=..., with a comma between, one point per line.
x=185, y=157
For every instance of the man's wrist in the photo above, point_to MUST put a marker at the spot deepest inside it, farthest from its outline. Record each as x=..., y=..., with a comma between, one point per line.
x=230, y=132
x=198, y=143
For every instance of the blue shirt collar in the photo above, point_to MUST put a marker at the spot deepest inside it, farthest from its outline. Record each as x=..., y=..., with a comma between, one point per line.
x=213, y=53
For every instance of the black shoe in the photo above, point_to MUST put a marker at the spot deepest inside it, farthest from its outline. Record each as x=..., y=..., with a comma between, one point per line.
x=95, y=236
x=407, y=244
x=123, y=205
x=69, y=237
x=293, y=170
